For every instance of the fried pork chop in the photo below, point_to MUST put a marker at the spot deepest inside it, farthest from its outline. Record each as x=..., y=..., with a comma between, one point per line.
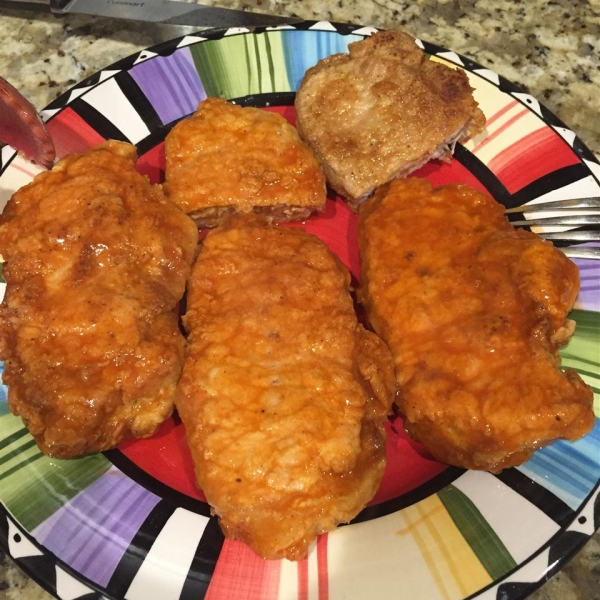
x=227, y=159
x=283, y=394
x=474, y=312
x=381, y=112
x=96, y=260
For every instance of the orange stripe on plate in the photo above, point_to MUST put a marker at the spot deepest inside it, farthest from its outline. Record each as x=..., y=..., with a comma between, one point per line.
x=454, y=567
x=448, y=556
x=500, y=129
x=416, y=523
x=240, y=573
x=16, y=166
x=322, y=566
x=531, y=157
x=303, y=579
x=71, y=133
x=432, y=563
x=501, y=112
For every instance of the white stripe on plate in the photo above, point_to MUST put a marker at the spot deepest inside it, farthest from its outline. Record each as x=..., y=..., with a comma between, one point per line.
x=586, y=527
x=451, y=56
x=104, y=75
x=188, y=40
x=373, y=560
x=18, y=545
x=499, y=504
x=288, y=580
x=69, y=588
x=532, y=572
x=165, y=569
x=323, y=26
x=109, y=100
x=236, y=30
x=529, y=101
x=582, y=188
x=313, y=573
x=489, y=75
x=78, y=92
x=365, y=31
x=566, y=134
x=593, y=167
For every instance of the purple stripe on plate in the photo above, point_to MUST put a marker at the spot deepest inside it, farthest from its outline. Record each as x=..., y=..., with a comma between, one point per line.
x=589, y=292
x=171, y=84
x=92, y=531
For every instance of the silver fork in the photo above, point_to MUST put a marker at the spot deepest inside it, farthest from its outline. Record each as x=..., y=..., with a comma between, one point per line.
x=590, y=221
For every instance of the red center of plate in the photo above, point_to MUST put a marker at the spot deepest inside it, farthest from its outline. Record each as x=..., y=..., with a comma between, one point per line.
x=166, y=457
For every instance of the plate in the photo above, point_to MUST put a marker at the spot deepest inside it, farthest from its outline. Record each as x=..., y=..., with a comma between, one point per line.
x=130, y=523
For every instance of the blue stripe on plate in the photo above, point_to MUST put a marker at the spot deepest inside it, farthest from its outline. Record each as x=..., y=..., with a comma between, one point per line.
x=304, y=49
x=3, y=394
x=568, y=469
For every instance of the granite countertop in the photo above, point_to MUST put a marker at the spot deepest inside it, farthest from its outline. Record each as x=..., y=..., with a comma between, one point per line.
x=550, y=47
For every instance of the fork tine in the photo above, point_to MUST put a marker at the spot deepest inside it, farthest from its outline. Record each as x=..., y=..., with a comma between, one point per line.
x=579, y=252
x=573, y=235
x=558, y=221
x=593, y=203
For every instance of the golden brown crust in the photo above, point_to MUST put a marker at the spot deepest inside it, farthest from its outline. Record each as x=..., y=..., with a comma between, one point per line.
x=382, y=111
x=228, y=159
x=283, y=394
x=97, y=260
x=473, y=312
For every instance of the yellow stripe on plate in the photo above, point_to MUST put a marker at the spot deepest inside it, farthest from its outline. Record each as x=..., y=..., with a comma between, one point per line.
x=454, y=567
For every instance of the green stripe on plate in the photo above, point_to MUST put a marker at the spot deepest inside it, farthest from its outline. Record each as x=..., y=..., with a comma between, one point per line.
x=232, y=67
x=258, y=64
x=270, y=63
x=25, y=460
x=12, y=437
x=478, y=533
x=34, y=486
x=582, y=353
x=573, y=361
x=38, y=486
x=576, y=365
x=4, y=458
x=585, y=345
x=4, y=410
x=247, y=63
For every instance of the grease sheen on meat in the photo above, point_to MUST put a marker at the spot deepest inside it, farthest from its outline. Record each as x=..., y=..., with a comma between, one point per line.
x=283, y=394
x=96, y=261
x=474, y=312
x=381, y=111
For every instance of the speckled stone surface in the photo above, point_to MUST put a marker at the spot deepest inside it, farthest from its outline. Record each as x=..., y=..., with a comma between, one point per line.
x=550, y=47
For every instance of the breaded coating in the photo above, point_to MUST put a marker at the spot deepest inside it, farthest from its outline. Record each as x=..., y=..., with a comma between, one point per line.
x=381, y=112
x=96, y=261
x=283, y=394
x=474, y=312
x=227, y=159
